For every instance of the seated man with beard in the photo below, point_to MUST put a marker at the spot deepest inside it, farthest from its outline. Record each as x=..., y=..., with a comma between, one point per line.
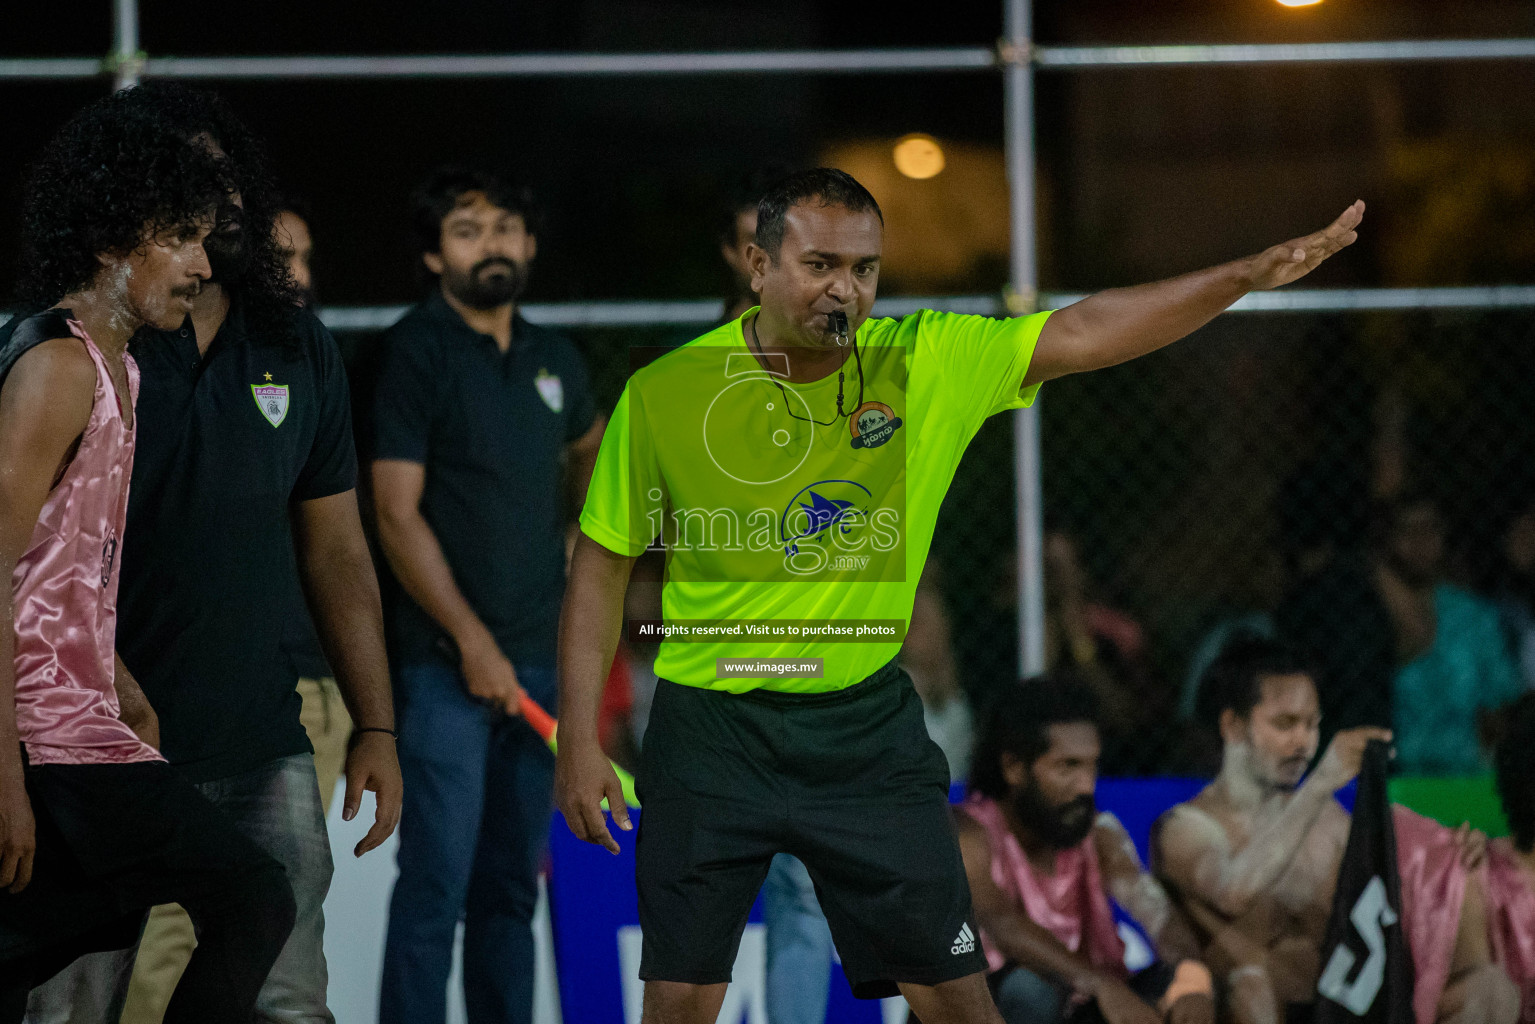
x=1042, y=866
x=1254, y=858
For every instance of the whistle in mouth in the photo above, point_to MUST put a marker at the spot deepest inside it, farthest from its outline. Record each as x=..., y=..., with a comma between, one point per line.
x=839, y=325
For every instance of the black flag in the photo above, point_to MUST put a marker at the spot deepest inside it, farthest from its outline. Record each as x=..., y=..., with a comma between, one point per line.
x=1366, y=965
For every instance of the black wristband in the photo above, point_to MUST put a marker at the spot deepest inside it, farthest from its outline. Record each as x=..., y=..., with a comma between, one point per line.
x=370, y=728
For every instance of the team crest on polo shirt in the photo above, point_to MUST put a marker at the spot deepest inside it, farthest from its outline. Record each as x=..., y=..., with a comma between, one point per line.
x=550, y=389
x=873, y=424
x=272, y=400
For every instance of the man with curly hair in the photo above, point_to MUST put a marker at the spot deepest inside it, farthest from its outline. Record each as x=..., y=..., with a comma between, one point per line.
x=95, y=826
x=245, y=460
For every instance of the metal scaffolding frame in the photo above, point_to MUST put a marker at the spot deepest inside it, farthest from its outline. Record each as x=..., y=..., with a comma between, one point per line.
x=618, y=313
x=1016, y=57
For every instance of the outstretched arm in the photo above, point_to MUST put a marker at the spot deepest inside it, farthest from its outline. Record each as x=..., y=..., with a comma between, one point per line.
x=1115, y=326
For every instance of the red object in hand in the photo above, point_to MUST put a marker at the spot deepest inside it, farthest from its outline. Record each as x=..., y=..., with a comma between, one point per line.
x=544, y=724
x=541, y=721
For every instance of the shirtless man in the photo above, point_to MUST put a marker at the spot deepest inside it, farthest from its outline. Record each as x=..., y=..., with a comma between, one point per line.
x=1042, y=865
x=1254, y=858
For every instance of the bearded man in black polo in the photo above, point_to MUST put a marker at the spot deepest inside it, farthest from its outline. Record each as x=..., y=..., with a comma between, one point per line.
x=478, y=412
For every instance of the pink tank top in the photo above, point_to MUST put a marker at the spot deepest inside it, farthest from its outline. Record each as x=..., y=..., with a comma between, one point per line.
x=65, y=596
x=1071, y=904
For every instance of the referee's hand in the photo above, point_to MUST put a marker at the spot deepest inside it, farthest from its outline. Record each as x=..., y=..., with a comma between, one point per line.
x=1293, y=260
x=583, y=776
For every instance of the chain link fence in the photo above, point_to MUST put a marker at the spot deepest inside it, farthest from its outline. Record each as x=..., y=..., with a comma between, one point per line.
x=1294, y=474
x=1356, y=484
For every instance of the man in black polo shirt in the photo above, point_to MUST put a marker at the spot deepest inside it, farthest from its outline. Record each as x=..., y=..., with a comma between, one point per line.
x=168, y=938
x=244, y=457
x=476, y=409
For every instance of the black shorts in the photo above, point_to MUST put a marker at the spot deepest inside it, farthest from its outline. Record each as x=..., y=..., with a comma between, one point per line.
x=849, y=783
x=113, y=840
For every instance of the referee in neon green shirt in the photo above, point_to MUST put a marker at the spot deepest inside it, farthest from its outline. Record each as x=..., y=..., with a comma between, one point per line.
x=794, y=472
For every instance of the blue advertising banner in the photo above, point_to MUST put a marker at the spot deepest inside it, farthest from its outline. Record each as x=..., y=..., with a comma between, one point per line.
x=595, y=916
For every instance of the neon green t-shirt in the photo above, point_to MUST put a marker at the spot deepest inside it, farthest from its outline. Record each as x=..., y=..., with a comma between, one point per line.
x=767, y=516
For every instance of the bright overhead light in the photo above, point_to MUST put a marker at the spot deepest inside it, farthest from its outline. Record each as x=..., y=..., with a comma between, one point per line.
x=1299, y=3
x=918, y=156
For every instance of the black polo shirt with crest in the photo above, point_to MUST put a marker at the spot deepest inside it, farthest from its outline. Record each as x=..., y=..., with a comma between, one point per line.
x=491, y=429
x=229, y=442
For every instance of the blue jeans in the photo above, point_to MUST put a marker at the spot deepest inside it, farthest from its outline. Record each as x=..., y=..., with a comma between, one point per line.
x=276, y=805
x=799, y=945
x=478, y=796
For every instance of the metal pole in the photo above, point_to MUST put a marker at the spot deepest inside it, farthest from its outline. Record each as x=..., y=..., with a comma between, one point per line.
x=129, y=64
x=50, y=68
x=621, y=313
x=1070, y=58
x=127, y=61
x=613, y=313
x=1018, y=107
x=538, y=65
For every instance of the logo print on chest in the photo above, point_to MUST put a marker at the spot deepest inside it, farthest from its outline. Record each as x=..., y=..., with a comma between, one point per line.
x=550, y=389
x=811, y=513
x=272, y=400
x=873, y=424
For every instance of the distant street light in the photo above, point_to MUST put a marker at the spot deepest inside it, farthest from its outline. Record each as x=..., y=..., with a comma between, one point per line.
x=918, y=156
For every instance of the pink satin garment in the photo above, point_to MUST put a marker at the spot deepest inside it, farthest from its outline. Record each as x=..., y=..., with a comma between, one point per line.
x=1433, y=891
x=1071, y=904
x=65, y=596
x=1511, y=921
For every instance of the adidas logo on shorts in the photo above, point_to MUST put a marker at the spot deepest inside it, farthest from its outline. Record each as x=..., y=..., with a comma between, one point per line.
x=964, y=942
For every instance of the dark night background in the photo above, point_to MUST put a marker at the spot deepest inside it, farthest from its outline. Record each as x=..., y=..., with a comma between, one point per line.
x=1143, y=173
x=1177, y=474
